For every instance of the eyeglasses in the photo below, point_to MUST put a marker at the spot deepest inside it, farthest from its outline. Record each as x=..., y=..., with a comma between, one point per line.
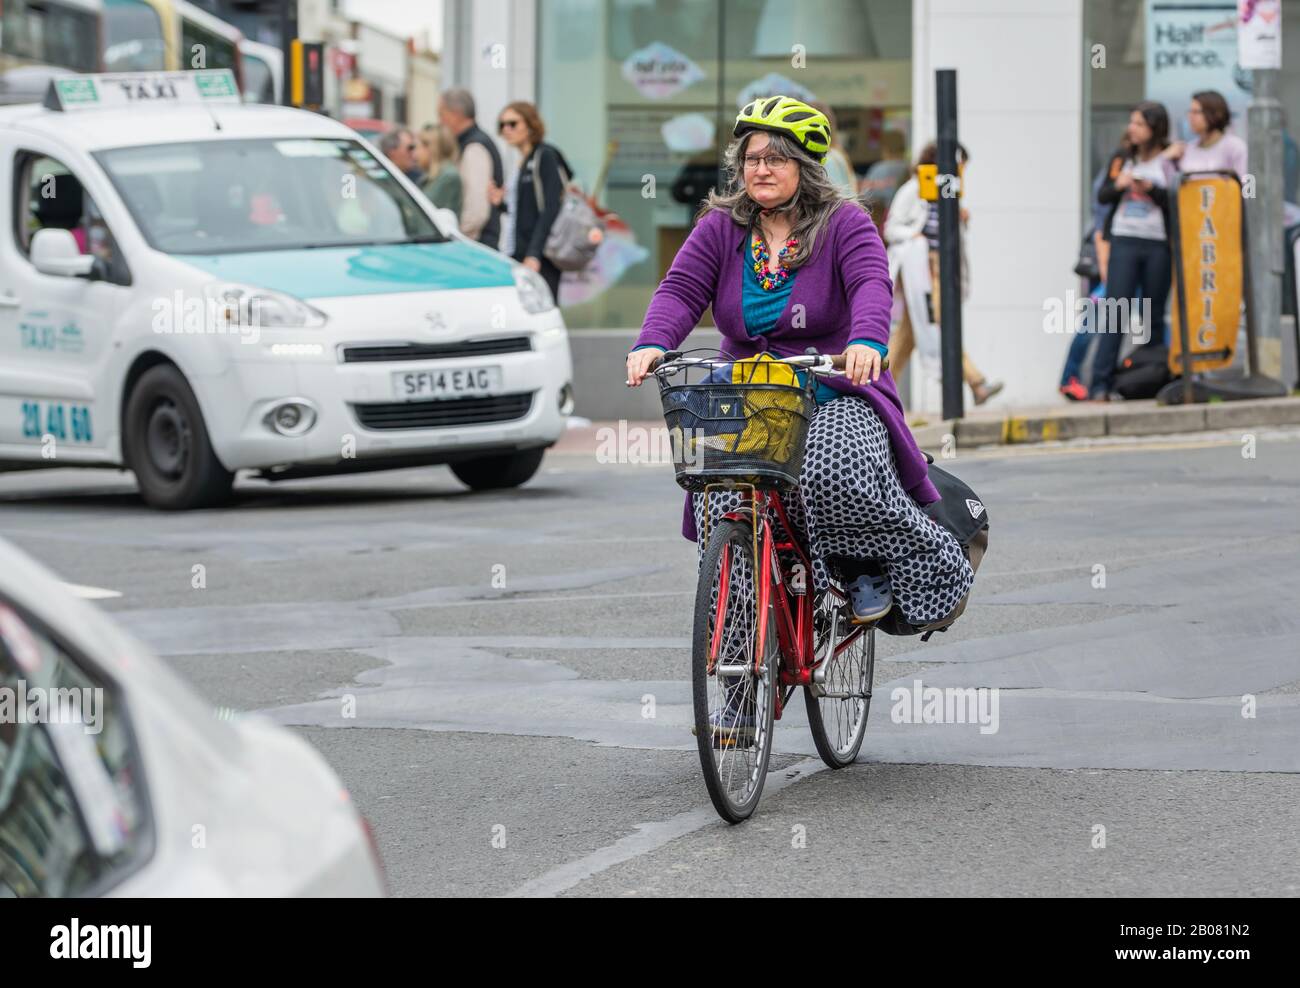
x=505, y=125
x=775, y=162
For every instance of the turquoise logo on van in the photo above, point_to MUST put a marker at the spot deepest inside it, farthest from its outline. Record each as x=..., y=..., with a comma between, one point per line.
x=335, y=272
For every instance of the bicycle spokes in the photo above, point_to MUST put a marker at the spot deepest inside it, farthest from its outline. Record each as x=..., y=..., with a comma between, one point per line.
x=840, y=696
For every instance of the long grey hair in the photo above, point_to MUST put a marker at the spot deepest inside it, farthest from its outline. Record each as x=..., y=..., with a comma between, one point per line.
x=811, y=208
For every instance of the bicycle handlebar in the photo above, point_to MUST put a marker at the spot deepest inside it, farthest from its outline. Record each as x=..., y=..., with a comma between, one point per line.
x=817, y=363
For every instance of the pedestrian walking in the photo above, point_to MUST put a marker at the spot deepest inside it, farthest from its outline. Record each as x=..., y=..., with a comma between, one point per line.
x=535, y=192
x=480, y=167
x=884, y=178
x=437, y=155
x=912, y=233
x=1139, y=269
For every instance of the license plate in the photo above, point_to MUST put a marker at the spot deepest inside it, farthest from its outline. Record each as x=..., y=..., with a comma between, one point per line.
x=458, y=382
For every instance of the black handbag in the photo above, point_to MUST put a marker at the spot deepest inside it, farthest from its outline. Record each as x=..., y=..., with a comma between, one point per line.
x=1087, y=265
x=1143, y=373
x=962, y=512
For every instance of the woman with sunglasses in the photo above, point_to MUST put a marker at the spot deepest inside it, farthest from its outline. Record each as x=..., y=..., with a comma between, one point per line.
x=534, y=193
x=787, y=261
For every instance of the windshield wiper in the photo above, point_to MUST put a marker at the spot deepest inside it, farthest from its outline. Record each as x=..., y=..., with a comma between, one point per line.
x=341, y=243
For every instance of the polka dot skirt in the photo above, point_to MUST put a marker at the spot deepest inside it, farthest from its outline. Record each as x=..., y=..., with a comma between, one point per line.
x=851, y=504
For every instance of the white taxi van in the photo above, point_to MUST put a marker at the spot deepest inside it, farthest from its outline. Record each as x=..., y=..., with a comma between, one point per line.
x=191, y=286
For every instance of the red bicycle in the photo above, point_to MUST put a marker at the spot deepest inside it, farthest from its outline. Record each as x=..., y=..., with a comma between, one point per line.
x=738, y=429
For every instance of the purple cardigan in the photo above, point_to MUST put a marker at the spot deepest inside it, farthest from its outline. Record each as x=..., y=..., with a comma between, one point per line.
x=845, y=293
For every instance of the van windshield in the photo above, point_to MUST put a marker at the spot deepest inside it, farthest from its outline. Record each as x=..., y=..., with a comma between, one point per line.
x=223, y=197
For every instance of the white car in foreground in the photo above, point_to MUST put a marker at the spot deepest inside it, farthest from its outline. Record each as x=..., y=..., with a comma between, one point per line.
x=116, y=779
x=191, y=287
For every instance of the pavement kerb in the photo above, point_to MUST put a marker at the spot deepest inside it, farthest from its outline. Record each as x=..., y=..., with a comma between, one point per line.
x=1030, y=426
x=1096, y=421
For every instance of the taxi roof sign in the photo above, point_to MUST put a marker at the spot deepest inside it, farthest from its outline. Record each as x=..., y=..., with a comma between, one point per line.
x=113, y=90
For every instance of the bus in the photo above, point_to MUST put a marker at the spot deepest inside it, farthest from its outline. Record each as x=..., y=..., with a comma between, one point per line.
x=43, y=38
x=263, y=72
x=204, y=41
x=81, y=35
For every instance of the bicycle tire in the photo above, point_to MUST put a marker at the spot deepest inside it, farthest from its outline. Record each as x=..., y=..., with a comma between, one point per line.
x=715, y=736
x=839, y=725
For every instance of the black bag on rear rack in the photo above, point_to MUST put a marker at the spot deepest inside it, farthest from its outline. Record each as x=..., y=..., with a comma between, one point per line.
x=962, y=512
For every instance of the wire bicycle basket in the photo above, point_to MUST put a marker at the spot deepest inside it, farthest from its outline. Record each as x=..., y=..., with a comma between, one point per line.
x=736, y=421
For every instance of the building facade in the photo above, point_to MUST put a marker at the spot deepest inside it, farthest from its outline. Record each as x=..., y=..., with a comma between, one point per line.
x=640, y=94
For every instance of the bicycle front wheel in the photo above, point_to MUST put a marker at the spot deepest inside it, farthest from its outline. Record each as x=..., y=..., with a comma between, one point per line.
x=734, y=687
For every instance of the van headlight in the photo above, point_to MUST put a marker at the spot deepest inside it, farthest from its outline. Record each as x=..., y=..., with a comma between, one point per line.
x=239, y=306
x=534, y=293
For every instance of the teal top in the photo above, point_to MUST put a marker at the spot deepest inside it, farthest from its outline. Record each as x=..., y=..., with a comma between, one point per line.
x=763, y=307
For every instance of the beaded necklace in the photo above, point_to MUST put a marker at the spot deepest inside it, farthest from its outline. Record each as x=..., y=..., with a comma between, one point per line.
x=769, y=280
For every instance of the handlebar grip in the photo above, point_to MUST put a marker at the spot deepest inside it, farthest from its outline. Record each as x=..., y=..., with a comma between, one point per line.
x=837, y=362
x=663, y=358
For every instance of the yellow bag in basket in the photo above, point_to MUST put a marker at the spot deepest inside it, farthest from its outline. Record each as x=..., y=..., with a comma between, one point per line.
x=770, y=415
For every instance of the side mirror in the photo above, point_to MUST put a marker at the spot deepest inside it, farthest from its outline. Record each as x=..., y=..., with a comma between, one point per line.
x=446, y=220
x=55, y=252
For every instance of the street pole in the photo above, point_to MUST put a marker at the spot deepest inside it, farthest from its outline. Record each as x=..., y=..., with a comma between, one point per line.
x=949, y=243
x=1264, y=211
x=288, y=10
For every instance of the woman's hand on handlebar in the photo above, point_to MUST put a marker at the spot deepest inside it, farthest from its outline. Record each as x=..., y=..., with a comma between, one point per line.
x=638, y=364
x=861, y=363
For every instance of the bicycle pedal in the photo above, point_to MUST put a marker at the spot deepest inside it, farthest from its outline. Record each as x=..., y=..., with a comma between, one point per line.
x=864, y=622
x=729, y=740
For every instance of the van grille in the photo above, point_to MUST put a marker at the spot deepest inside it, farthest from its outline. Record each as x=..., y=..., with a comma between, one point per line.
x=435, y=351
x=443, y=413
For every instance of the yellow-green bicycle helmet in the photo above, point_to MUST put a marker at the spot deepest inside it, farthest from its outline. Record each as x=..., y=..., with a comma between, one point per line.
x=794, y=118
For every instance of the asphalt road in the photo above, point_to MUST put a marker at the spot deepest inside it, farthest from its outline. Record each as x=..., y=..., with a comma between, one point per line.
x=518, y=669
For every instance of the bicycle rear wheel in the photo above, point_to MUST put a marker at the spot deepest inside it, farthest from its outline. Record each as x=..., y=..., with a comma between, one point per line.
x=840, y=698
x=734, y=696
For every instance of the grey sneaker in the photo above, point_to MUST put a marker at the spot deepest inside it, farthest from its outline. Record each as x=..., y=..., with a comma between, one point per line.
x=871, y=597
x=734, y=726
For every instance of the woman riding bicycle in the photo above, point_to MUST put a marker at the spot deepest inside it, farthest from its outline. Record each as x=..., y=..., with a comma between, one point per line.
x=788, y=263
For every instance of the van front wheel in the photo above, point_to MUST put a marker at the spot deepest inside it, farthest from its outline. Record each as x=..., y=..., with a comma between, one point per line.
x=167, y=445
x=490, y=473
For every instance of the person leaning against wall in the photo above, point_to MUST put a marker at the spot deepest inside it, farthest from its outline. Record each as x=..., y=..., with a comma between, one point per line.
x=1071, y=386
x=1213, y=149
x=1140, y=266
x=911, y=219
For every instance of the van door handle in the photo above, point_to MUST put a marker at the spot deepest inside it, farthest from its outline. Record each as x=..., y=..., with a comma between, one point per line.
x=9, y=301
